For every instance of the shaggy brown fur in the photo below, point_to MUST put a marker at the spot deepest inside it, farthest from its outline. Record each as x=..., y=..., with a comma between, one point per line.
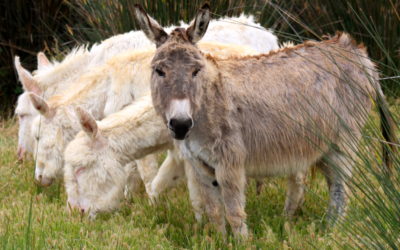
x=268, y=115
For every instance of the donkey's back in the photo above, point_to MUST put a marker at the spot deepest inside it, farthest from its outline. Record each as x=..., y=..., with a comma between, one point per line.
x=291, y=105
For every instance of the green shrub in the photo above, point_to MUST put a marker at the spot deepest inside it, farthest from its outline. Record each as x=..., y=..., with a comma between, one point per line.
x=29, y=27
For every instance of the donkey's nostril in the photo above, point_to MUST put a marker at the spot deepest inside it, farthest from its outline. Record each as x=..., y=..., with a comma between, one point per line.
x=40, y=177
x=180, y=127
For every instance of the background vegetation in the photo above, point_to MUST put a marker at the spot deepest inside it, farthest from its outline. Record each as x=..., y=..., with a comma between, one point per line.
x=54, y=26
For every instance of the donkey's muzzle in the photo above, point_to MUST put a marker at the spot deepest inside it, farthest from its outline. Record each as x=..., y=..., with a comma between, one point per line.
x=180, y=127
x=44, y=181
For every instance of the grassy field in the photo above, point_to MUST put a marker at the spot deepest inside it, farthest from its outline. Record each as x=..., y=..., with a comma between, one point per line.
x=36, y=217
x=33, y=217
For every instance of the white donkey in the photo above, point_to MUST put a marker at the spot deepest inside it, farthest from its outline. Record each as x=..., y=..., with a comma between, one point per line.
x=49, y=79
x=94, y=172
x=54, y=77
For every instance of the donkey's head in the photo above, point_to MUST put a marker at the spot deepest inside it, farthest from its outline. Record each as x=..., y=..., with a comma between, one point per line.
x=91, y=167
x=53, y=129
x=177, y=70
x=47, y=137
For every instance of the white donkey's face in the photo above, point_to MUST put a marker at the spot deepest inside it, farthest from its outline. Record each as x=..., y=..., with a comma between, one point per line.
x=47, y=151
x=94, y=179
x=52, y=130
x=26, y=114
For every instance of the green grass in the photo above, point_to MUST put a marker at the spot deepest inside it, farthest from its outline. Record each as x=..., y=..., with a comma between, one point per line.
x=170, y=224
x=33, y=217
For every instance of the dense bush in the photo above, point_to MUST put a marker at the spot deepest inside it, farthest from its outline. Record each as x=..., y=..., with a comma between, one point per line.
x=30, y=26
x=27, y=27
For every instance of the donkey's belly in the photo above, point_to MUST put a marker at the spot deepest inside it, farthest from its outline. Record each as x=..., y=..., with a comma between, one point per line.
x=283, y=167
x=259, y=165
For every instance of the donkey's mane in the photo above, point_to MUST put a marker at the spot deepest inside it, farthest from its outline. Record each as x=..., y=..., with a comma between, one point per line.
x=341, y=38
x=59, y=71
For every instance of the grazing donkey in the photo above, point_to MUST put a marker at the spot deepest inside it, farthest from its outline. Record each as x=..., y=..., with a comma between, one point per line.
x=94, y=172
x=49, y=79
x=265, y=115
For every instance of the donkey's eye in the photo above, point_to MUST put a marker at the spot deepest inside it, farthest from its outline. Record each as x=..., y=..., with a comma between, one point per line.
x=195, y=72
x=160, y=72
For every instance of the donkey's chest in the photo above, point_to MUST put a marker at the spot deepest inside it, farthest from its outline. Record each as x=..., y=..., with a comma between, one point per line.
x=199, y=156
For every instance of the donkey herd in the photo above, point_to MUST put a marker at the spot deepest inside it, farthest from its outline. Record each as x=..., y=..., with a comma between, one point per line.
x=220, y=97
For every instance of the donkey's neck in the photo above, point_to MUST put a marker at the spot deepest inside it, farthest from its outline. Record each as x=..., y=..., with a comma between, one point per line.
x=135, y=131
x=212, y=117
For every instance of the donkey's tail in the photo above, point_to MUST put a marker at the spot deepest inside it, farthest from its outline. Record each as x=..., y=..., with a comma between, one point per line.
x=388, y=127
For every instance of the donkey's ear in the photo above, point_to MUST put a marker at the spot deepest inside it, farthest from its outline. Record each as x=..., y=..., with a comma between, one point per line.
x=87, y=122
x=41, y=105
x=149, y=26
x=198, y=26
x=26, y=78
x=42, y=61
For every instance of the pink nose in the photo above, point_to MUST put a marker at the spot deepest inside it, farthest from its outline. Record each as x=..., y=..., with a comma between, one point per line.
x=44, y=181
x=21, y=153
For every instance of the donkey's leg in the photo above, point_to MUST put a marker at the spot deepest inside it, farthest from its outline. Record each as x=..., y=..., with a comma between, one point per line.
x=205, y=195
x=169, y=174
x=259, y=186
x=232, y=182
x=134, y=182
x=295, y=193
x=337, y=169
x=194, y=192
x=71, y=188
x=148, y=167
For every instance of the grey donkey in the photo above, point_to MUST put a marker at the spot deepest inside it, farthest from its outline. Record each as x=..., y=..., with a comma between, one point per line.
x=266, y=115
